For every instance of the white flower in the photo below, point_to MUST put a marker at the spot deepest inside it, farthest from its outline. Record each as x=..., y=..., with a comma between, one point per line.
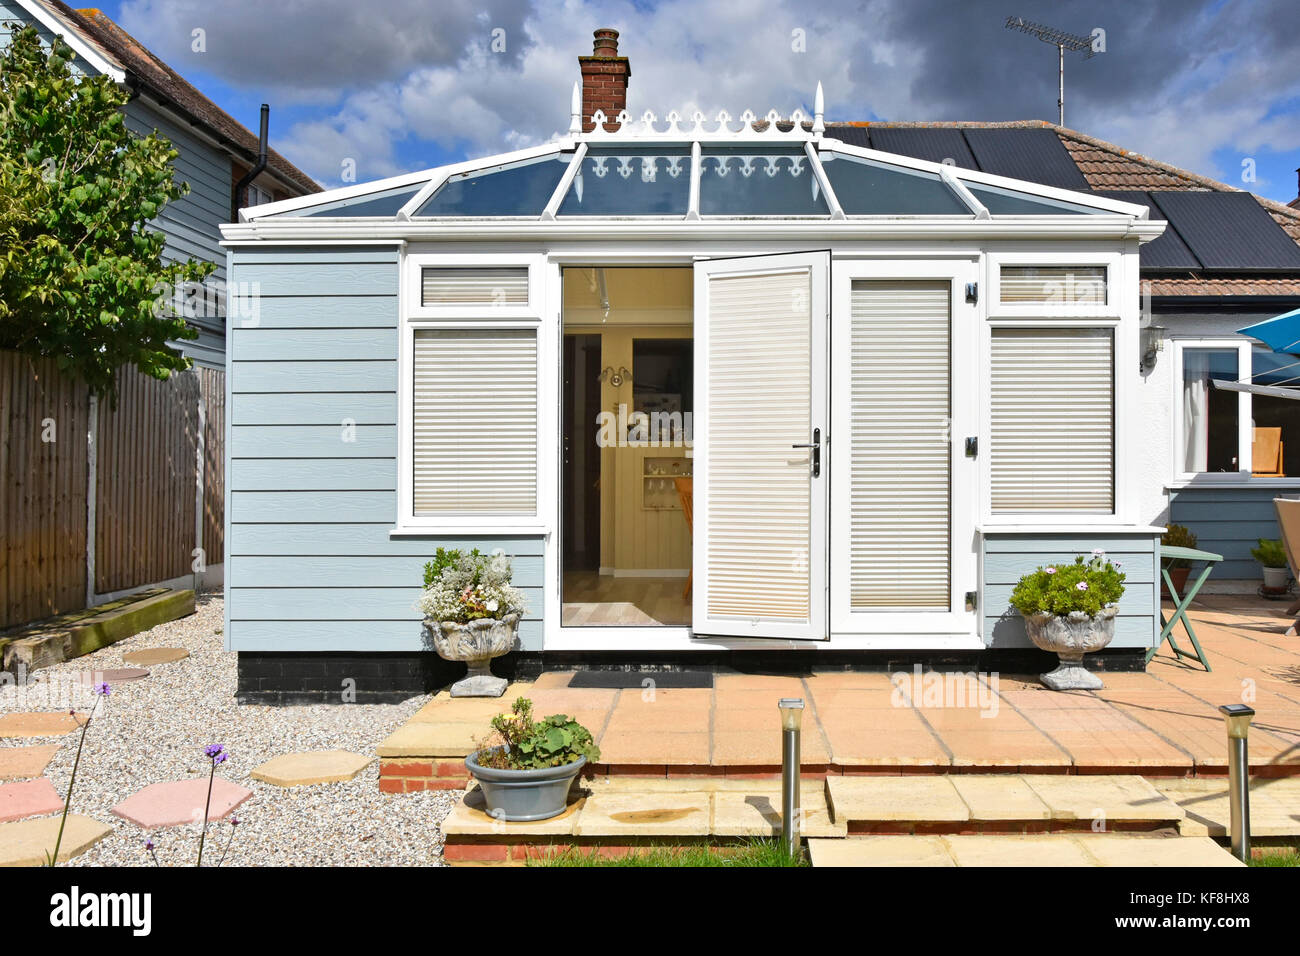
x=492, y=605
x=1050, y=570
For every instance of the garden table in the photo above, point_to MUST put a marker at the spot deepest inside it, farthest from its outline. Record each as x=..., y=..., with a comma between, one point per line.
x=1169, y=554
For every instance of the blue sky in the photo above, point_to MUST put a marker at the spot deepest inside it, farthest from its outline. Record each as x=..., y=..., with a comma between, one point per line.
x=407, y=84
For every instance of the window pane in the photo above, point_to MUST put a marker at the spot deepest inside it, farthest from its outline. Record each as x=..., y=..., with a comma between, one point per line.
x=631, y=181
x=1008, y=202
x=475, y=422
x=759, y=181
x=1053, y=410
x=1054, y=285
x=1275, y=450
x=382, y=204
x=474, y=286
x=1209, y=414
x=866, y=188
x=517, y=189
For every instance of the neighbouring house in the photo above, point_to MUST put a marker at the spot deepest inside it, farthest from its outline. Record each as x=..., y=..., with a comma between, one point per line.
x=141, y=502
x=724, y=387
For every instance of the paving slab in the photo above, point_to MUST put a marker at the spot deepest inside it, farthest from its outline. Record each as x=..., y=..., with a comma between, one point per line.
x=21, y=763
x=153, y=656
x=114, y=675
x=38, y=724
x=1112, y=798
x=179, y=802
x=632, y=814
x=646, y=748
x=27, y=842
x=999, y=797
x=757, y=813
x=470, y=817
x=1047, y=850
x=910, y=799
x=425, y=739
x=1274, y=805
x=311, y=767
x=28, y=798
x=1116, y=850
x=881, y=851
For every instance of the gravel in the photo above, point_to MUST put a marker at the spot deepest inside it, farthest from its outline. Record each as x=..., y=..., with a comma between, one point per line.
x=155, y=729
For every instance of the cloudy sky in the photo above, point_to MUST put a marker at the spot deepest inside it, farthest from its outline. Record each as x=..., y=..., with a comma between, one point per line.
x=398, y=85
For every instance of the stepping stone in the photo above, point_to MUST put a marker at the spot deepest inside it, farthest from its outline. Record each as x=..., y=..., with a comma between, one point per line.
x=152, y=656
x=113, y=675
x=317, y=766
x=21, y=763
x=28, y=798
x=179, y=802
x=38, y=724
x=27, y=842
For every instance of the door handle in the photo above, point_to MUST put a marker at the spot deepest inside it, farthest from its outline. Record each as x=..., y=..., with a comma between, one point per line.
x=816, y=446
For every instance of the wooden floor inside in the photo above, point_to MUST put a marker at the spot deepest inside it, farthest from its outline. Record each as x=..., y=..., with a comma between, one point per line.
x=603, y=599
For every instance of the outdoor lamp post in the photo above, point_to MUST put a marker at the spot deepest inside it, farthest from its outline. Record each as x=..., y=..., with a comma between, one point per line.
x=1237, y=717
x=791, y=709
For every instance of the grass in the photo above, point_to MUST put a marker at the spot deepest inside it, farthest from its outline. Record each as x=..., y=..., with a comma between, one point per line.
x=758, y=853
x=1280, y=857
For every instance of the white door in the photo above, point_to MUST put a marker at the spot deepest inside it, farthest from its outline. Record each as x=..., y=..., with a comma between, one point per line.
x=761, y=447
x=904, y=480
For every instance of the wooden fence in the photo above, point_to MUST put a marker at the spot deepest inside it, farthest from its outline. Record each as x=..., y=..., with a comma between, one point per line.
x=155, y=454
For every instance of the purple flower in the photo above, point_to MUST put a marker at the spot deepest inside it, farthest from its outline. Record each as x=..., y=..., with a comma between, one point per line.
x=1116, y=565
x=220, y=759
x=148, y=845
x=103, y=690
x=1050, y=570
x=234, y=821
x=1082, y=585
x=212, y=750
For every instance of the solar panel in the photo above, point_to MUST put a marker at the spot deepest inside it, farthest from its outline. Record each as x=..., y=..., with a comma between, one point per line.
x=1167, y=252
x=1229, y=231
x=935, y=144
x=1036, y=155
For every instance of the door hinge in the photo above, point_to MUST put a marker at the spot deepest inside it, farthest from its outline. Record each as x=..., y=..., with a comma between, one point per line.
x=972, y=292
x=972, y=446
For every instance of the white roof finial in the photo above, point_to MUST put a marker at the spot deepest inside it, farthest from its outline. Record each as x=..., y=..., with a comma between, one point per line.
x=819, y=111
x=575, y=110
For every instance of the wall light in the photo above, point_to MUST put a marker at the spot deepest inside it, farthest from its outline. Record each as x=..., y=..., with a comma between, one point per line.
x=615, y=378
x=1153, y=343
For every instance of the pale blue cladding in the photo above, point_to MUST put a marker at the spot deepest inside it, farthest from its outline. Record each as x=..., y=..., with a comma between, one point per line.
x=1229, y=521
x=311, y=501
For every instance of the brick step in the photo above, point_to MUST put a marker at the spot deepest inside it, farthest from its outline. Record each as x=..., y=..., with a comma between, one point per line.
x=1091, y=850
x=999, y=803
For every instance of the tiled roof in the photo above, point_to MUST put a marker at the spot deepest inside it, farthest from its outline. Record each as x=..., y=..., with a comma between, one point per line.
x=169, y=86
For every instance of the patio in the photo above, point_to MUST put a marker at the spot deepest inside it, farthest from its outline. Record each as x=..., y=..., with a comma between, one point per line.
x=1162, y=723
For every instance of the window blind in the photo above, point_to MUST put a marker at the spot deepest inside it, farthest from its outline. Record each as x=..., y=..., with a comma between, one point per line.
x=759, y=404
x=900, y=447
x=1053, y=410
x=475, y=422
x=475, y=286
x=1056, y=285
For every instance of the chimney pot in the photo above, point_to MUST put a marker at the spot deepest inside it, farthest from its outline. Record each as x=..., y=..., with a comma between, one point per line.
x=604, y=80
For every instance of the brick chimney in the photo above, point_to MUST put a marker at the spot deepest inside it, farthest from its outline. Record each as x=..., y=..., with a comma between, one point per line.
x=1295, y=203
x=604, y=80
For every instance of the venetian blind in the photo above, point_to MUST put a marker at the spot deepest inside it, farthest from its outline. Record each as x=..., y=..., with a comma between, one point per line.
x=759, y=404
x=475, y=422
x=900, y=447
x=1055, y=285
x=474, y=286
x=1052, y=403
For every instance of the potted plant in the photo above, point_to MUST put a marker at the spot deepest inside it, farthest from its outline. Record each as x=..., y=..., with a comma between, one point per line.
x=526, y=768
x=1070, y=610
x=472, y=611
x=1177, y=536
x=1272, y=560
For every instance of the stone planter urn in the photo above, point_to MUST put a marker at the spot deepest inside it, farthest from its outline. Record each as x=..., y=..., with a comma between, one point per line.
x=476, y=643
x=1070, y=637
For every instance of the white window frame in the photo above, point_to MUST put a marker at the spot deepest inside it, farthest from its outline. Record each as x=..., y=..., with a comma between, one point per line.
x=253, y=189
x=1119, y=314
x=415, y=316
x=1244, y=347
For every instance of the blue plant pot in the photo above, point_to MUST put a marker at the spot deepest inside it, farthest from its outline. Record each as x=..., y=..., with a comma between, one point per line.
x=523, y=795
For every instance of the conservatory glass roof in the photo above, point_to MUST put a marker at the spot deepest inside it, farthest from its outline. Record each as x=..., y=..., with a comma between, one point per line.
x=768, y=168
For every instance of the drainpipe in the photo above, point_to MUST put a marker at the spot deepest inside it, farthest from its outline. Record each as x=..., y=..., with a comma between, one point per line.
x=237, y=199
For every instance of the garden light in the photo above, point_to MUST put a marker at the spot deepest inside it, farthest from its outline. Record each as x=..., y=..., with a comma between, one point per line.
x=791, y=709
x=1238, y=717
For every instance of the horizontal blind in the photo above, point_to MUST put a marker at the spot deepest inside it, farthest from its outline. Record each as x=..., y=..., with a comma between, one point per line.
x=475, y=422
x=475, y=286
x=1053, y=410
x=1054, y=285
x=760, y=384
x=900, y=455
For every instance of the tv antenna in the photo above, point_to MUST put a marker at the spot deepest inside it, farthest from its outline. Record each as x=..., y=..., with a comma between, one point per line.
x=1062, y=41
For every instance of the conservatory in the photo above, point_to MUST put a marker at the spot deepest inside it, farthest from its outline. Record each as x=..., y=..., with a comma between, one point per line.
x=714, y=384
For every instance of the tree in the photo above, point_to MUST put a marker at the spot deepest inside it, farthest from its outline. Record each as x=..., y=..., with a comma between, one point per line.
x=82, y=278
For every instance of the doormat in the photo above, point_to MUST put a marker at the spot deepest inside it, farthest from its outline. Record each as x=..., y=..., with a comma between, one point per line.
x=627, y=680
